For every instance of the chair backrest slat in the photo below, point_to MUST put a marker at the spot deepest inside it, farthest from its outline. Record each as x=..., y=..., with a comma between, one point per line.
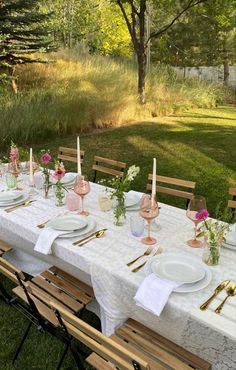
x=190, y=185
x=232, y=191
x=232, y=202
x=9, y=270
x=69, y=154
x=104, y=346
x=4, y=247
x=106, y=165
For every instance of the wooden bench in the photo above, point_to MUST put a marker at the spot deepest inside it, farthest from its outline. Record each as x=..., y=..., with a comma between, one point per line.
x=108, y=166
x=133, y=347
x=4, y=247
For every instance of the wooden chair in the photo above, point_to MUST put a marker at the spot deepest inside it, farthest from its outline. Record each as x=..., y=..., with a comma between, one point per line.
x=132, y=347
x=108, y=166
x=64, y=290
x=4, y=247
x=187, y=194
x=232, y=202
x=69, y=155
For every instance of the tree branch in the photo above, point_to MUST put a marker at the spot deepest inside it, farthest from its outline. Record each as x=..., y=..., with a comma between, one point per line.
x=190, y=5
x=131, y=27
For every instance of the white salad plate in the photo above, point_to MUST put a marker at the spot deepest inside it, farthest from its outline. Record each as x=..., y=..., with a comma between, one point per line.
x=187, y=287
x=177, y=268
x=68, y=223
x=131, y=200
x=10, y=196
x=87, y=229
x=24, y=197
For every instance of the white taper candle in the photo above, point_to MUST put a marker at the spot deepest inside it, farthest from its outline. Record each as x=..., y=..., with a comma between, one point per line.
x=31, y=174
x=154, y=170
x=78, y=157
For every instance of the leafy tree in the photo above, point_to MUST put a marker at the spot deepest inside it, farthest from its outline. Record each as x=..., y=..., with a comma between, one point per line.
x=21, y=34
x=205, y=36
x=134, y=17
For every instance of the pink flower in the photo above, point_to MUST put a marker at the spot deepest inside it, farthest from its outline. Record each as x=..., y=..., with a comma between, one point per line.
x=14, y=154
x=59, y=171
x=46, y=158
x=202, y=215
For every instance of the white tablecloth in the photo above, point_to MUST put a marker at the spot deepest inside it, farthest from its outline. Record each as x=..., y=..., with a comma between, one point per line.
x=209, y=335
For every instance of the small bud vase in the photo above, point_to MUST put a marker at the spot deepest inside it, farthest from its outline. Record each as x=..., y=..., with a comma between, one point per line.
x=120, y=211
x=59, y=195
x=211, y=253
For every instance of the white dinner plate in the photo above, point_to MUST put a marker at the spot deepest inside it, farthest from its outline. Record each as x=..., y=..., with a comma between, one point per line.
x=231, y=236
x=23, y=198
x=131, y=200
x=178, y=268
x=188, y=288
x=69, y=178
x=10, y=196
x=67, y=223
x=87, y=229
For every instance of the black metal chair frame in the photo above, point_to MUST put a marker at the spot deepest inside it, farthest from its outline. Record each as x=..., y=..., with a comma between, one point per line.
x=33, y=315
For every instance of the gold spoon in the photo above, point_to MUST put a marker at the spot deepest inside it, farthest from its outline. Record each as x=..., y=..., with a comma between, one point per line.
x=97, y=234
x=231, y=291
x=25, y=204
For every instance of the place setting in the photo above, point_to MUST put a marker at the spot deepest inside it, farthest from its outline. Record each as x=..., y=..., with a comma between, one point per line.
x=167, y=273
x=14, y=199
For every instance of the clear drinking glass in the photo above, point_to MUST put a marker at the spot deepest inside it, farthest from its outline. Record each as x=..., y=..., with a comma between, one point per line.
x=196, y=204
x=137, y=225
x=82, y=188
x=11, y=180
x=148, y=210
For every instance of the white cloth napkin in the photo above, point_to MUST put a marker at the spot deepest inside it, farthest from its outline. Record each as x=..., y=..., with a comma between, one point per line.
x=46, y=239
x=153, y=293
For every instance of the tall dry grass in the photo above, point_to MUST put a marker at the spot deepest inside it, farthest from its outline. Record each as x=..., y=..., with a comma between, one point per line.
x=74, y=94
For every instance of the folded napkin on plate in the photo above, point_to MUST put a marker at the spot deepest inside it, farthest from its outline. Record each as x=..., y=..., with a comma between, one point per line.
x=46, y=239
x=153, y=293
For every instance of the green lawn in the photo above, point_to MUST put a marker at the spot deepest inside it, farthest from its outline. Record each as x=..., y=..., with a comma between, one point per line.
x=199, y=145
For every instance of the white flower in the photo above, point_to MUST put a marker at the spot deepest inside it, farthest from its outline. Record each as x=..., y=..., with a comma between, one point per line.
x=132, y=172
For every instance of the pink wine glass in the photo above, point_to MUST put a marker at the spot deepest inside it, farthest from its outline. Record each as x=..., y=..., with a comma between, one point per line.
x=196, y=204
x=148, y=210
x=82, y=188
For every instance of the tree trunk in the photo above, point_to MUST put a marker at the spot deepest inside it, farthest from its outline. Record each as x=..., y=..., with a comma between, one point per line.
x=142, y=61
x=226, y=63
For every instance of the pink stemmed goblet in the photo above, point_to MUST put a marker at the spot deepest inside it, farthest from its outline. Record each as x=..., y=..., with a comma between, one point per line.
x=196, y=204
x=148, y=210
x=82, y=188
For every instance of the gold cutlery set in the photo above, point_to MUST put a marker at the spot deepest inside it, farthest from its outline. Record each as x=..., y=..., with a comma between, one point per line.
x=96, y=234
x=23, y=204
x=146, y=253
x=231, y=291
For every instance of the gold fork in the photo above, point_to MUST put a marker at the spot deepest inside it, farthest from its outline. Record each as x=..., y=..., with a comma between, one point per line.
x=146, y=253
x=136, y=269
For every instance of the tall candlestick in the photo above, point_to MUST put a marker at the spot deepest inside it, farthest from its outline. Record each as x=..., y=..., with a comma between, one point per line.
x=154, y=179
x=78, y=157
x=31, y=175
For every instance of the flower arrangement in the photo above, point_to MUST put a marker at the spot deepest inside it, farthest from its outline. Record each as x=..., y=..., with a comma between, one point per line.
x=119, y=187
x=14, y=164
x=58, y=174
x=45, y=161
x=214, y=232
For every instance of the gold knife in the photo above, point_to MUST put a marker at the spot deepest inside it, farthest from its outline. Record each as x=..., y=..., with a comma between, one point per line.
x=91, y=236
x=216, y=292
x=23, y=204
